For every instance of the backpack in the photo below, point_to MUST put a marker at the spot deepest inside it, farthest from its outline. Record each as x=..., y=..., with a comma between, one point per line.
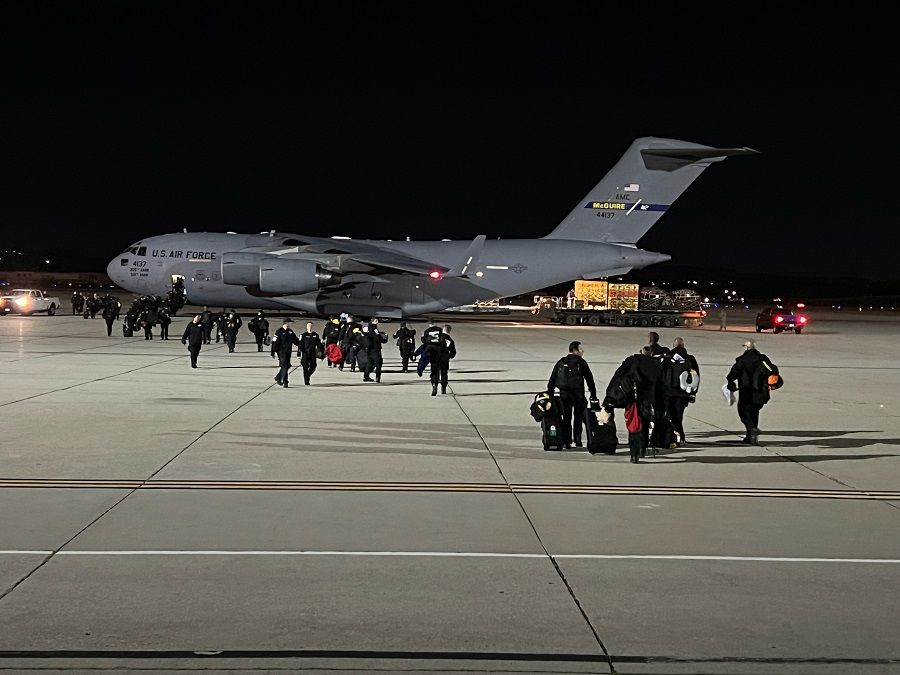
x=542, y=406
x=765, y=376
x=681, y=377
x=620, y=391
x=568, y=376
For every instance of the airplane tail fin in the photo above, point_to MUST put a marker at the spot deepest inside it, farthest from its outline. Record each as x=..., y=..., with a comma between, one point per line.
x=639, y=189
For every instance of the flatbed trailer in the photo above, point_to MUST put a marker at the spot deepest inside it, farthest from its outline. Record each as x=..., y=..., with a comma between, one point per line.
x=662, y=318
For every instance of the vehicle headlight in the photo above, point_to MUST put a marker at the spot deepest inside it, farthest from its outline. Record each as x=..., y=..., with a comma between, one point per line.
x=21, y=301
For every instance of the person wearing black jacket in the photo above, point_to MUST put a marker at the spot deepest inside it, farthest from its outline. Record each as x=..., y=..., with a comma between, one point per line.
x=308, y=351
x=206, y=320
x=448, y=352
x=433, y=339
x=370, y=342
x=194, y=334
x=330, y=331
x=642, y=371
x=750, y=398
x=259, y=326
x=164, y=321
x=406, y=343
x=109, y=315
x=569, y=375
x=231, y=323
x=348, y=338
x=283, y=343
x=656, y=349
x=676, y=361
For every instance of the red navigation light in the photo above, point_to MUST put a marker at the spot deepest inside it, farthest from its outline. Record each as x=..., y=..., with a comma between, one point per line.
x=802, y=319
x=435, y=275
x=779, y=319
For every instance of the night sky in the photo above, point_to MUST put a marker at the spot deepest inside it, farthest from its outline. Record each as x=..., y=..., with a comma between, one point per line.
x=124, y=120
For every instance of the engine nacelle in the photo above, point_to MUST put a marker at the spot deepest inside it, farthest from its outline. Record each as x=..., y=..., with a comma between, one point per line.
x=287, y=276
x=241, y=269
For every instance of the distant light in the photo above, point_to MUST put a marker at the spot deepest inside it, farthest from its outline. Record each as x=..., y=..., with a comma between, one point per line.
x=338, y=237
x=435, y=275
x=47, y=261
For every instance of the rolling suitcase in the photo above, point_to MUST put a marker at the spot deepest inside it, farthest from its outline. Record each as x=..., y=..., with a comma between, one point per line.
x=551, y=430
x=601, y=436
x=551, y=424
x=126, y=330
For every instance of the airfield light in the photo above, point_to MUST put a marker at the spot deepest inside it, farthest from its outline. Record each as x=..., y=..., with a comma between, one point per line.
x=435, y=275
x=479, y=274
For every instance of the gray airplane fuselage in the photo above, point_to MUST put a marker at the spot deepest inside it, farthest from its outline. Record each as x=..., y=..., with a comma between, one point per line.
x=598, y=238
x=505, y=268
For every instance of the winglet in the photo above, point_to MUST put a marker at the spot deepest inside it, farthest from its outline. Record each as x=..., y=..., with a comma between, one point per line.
x=470, y=258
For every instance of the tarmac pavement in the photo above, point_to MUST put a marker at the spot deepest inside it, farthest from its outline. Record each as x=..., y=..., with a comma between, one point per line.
x=150, y=512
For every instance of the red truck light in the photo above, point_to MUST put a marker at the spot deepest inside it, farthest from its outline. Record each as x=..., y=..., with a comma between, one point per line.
x=779, y=319
x=802, y=319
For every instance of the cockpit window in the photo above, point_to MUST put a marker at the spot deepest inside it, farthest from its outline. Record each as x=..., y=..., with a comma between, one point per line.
x=138, y=250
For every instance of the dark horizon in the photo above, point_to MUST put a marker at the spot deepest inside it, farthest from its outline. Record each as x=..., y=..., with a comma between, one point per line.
x=127, y=121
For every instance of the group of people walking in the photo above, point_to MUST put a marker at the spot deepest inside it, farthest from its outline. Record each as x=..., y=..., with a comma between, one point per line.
x=344, y=342
x=654, y=388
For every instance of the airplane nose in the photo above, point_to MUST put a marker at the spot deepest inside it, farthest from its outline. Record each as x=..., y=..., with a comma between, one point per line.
x=112, y=270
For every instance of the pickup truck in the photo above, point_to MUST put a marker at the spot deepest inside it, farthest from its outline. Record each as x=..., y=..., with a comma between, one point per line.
x=26, y=302
x=779, y=319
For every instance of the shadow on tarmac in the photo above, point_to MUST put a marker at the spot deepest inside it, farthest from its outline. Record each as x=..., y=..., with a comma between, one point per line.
x=770, y=459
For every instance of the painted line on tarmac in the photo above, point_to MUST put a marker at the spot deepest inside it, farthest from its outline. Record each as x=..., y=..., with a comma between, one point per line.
x=524, y=488
x=459, y=554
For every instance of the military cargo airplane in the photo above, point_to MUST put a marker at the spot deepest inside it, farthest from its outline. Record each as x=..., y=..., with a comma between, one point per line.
x=395, y=279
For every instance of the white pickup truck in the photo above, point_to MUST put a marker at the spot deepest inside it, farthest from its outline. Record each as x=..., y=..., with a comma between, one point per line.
x=26, y=301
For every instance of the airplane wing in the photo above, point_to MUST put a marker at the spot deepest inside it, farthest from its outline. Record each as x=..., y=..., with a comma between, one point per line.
x=376, y=256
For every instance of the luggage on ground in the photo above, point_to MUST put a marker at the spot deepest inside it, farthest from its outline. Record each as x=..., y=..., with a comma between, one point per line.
x=552, y=432
x=126, y=330
x=663, y=434
x=601, y=435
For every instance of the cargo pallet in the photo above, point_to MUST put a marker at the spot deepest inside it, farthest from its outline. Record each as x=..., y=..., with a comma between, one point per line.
x=624, y=317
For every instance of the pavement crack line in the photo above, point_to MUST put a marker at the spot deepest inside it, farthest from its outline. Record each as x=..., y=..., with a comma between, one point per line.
x=791, y=459
x=550, y=556
x=146, y=480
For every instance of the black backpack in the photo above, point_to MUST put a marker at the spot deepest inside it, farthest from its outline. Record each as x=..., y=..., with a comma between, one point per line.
x=568, y=376
x=759, y=378
x=620, y=391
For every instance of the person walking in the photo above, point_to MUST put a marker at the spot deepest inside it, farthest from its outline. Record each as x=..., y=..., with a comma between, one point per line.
x=447, y=353
x=109, y=316
x=283, y=343
x=259, y=326
x=308, y=350
x=193, y=337
x=749, y=377
x=406, y=344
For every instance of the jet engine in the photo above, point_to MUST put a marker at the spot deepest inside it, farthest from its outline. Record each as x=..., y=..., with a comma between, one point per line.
x=286, y=276
x=241, y=269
